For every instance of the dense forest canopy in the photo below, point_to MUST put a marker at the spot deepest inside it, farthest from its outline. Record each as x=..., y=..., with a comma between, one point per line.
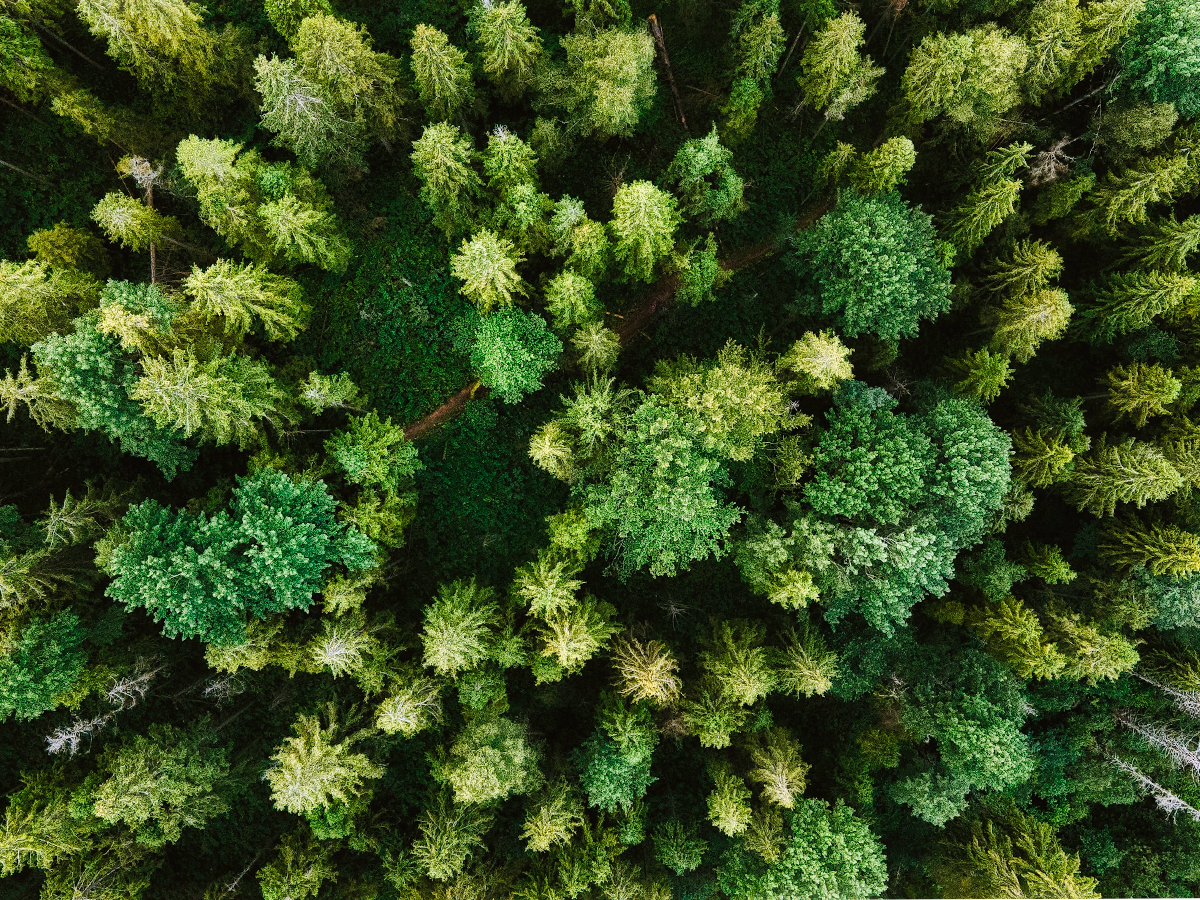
x=608, y=449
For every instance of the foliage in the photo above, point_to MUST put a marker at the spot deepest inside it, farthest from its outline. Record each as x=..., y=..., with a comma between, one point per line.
x=270, y=555
x=875, y=267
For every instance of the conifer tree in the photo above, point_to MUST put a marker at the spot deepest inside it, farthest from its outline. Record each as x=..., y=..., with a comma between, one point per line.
x=643, y=228
x=1011, y=854
x=884, y=168
x=778, y=768
x=220, y=399
x=646, y=671
x=1128, y=301
x=37, y=301
x=512, y=47
x=1013, y=633
x=1139, y=391
x=443, y=158
x=1169, y=244
x=457, y=631
x=286, y=15
x=1040, y=459
x=821, y=361
x=1163, y=549
x=312, y=769
x=487, y=267
x=606, y=83
x=834, y=76
x=728, y=804
x=1024, y=321
x=442, y=73
x=157, y=41
x=981, y=211
x=240, y=296
x=709, y=189
x=1128, y=472
x=983, y=374
x=300, y=113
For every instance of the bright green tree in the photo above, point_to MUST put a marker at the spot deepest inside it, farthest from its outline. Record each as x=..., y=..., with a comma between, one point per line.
x=221, y=399
x=643, y=228
x=1161, y=58
x=458, y=627
x=511, y=46
x=832, y=68
x=46, y=663
x=1128, y=472
x=709, y=189
x=161, y=782
x=513, y=352
x=491, y=759
x=241, y=296
x=487, y=266
x=313, y=768
x=442, y=73
x=202, y=576
x=443, y=158
x=875, y=266
x=828, y=853
x=1139, y=391
x=606, y=83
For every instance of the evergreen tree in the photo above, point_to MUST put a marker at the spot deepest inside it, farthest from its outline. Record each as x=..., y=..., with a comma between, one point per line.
x=643, y=228
x=442, y=73
x=709, y=189
x=159, y=783
x=1023, y=321
x=1163, y=549
x=203, y=575
x=457, y=630
x=487, y=267
x=1011, y=854
x=220, y=399
x=240, y=296
x=1140, y=391
x=1128, y=472
x=443, y=159
x=490, y=760
x=606, y=83
x=511, y=46
x=313, y=769
x=45, y=664
x=833, y=70
x=875, y=266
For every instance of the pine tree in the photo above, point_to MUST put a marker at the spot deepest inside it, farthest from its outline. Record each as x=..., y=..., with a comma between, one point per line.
x=129, y=222
x=571, y=300
x=606, y=83
x=157, y=40
x=1168, y=244
x=299, y=870
x=160, y=782
x=490, y=759
x=884, y=168
x=1163, y=549
x=984, y=374
x=546, y=587
x=1129, y=301
x=597, y=347
x=728, y=804
x=646, y=671
x=511, y=46
x=1140, y=391
x=778, y=768
x=831, y=63
x=1010, y=855
x=302, y=116
x=37, y=301
x=239, y=296
x=1013, y=633
x=1040, y=459
x=361, y=84
x=572, y=636
x=1023, y=321
x=221, y=399
x=643, y=228
x=1053, y=31
x=443, y=158
x=302, y=233
x=442, y=73
x=971, y=77
x=1091, y=654
x=487, y=267
x=314, y=769
x=1128, y=472
x=457, y=631
x=1032, y=266
x=981, y=211
x=553, y=817
x=709, y=189
x=821, y=361
x=735, y=658
x=286, y=15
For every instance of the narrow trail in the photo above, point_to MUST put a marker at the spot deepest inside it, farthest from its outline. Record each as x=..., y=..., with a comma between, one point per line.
x=657, y=298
